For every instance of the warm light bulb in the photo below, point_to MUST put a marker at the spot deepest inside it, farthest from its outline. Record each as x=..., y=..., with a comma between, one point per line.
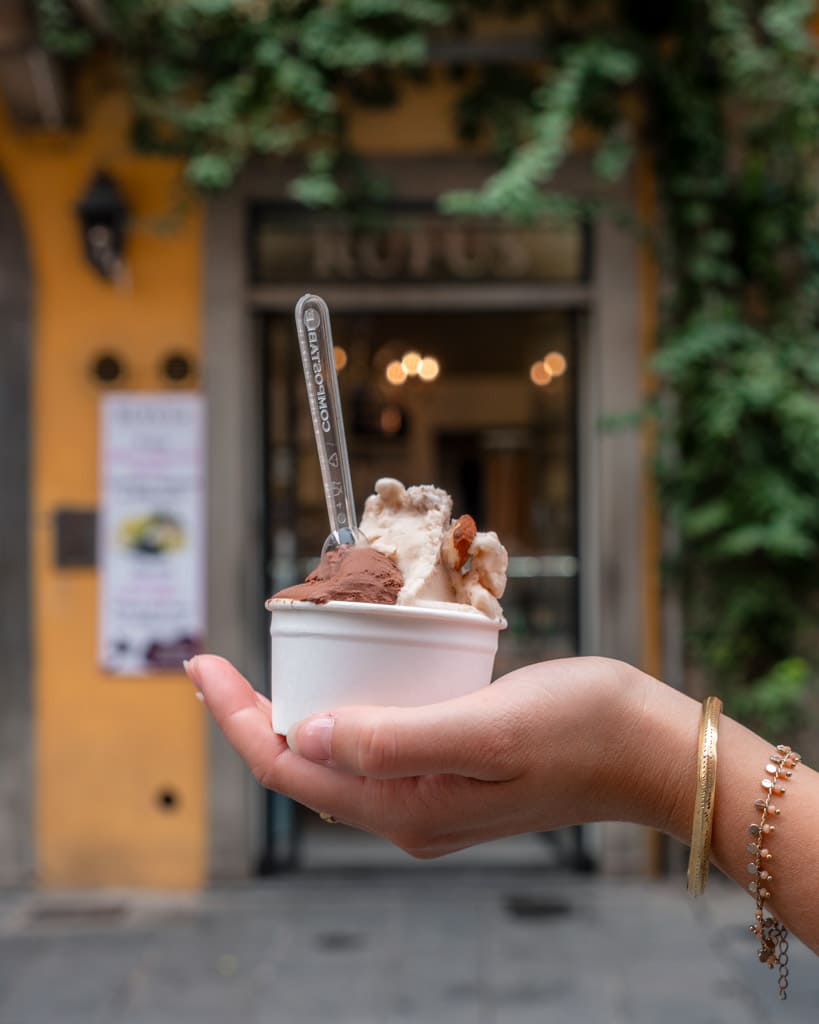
x=391, y=419
x=540, y=374
x=411, y=363
x=395, y=372
x=555, y=363
x=429, y=368
x=339, y=357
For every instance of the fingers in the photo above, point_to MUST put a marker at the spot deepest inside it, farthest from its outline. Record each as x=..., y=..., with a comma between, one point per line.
x=243, y=715
x=238, y=709
x=471, y=736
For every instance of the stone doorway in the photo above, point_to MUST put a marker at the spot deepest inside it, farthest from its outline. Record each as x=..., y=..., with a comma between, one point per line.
x=16, y=845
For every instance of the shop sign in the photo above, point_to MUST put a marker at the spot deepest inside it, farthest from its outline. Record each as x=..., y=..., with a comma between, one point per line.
x=412, y=248
x=151, y=531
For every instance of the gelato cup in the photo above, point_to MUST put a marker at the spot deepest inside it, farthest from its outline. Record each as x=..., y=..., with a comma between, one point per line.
x=325, y=656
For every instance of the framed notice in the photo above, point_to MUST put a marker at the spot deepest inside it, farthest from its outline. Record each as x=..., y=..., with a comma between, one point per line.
x=151, y=542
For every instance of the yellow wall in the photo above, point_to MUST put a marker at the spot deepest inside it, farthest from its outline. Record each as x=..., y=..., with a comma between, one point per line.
x=421, y=123
x=104, y=746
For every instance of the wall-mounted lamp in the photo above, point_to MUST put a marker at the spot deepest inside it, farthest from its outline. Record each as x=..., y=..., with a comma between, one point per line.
x=103, y=217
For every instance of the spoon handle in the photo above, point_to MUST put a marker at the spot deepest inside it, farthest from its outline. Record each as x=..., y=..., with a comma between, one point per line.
x=316, y=344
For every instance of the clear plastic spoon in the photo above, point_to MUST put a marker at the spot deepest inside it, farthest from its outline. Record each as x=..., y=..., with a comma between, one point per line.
x=316, y=344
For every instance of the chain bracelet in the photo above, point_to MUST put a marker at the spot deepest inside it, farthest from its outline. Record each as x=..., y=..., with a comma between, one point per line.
x=772, y=934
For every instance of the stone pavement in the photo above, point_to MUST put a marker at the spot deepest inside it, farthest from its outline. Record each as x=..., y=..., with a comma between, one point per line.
x=432, y=944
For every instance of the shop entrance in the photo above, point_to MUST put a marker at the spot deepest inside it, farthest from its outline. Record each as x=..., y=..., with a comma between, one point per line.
x=486, y=300
x=491, y=417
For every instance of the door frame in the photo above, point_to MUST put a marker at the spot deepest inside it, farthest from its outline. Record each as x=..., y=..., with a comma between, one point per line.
x=610, y=468
x=16, y=699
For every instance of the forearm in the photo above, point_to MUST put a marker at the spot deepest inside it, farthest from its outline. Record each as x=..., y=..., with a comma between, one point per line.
x=667, y=790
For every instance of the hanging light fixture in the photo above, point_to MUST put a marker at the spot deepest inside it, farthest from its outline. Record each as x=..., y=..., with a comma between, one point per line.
x=429, y=368
x=540, y=374
x=555, y=363
x=413, y=364
x=395, y=372
x=544, y=371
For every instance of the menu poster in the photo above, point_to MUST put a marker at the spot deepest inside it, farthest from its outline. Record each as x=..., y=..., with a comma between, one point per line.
x=151, y=531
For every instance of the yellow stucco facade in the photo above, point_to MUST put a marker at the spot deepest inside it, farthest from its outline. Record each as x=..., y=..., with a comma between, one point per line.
x=105, y=747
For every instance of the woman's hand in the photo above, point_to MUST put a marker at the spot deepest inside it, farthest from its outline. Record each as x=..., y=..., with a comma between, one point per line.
x=543, y=747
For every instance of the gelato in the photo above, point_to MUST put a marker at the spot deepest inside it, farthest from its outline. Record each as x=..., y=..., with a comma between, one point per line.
x=418, y=556
x=349, y=574
x=412, y=619
x=441, y=561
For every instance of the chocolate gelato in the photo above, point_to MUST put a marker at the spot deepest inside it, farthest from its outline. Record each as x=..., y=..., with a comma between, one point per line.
x=349, y=574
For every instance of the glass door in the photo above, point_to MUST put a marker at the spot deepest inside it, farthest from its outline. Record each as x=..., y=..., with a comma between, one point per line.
x=484, y=405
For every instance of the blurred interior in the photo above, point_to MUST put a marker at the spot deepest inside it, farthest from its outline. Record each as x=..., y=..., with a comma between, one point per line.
x=502, y=446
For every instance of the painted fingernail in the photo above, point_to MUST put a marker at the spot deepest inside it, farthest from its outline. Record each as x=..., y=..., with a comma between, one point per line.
x=312, y=739
x=190, y=672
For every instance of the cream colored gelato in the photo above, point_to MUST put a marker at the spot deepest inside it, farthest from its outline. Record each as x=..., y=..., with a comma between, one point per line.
x=442, y=561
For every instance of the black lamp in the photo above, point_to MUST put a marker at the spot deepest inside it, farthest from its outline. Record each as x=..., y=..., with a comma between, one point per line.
x=103, y=216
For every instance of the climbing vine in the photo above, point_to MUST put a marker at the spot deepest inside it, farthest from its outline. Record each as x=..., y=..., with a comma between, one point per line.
x=720, y=96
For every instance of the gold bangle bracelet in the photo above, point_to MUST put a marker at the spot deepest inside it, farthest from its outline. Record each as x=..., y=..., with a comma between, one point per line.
x=702, y=824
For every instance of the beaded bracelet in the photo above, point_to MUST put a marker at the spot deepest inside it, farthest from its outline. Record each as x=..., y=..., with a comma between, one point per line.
x=772, y=934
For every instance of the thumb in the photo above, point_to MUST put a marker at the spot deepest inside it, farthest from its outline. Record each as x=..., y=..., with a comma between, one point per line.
x=465, y=736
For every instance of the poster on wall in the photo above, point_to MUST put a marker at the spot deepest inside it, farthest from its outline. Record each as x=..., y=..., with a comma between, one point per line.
x=151, y=531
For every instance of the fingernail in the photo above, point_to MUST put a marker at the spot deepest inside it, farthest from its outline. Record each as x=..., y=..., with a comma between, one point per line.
x=190, y=672
x=312, y=739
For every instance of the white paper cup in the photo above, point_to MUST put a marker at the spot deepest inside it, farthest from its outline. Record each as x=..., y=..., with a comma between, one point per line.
x=327, y=655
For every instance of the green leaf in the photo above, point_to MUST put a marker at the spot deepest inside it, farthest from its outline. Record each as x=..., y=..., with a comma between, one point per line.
x=612, y=159
x=211, y=171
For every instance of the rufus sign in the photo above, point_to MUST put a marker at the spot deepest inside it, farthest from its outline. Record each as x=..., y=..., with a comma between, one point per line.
x=409, y=246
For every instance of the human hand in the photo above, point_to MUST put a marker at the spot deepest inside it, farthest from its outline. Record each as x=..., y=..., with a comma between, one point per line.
x=543, y=747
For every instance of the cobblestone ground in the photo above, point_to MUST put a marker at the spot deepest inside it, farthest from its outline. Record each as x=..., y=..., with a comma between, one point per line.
x=434, y=946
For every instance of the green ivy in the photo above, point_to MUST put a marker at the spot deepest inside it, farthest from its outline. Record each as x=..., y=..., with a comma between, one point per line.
x=230, y=79
x=60, y=31
x=721, y=95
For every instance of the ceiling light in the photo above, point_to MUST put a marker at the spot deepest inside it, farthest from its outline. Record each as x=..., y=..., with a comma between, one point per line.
x=391, y=419
x=555, y=363
x=411, y=363
x=395, y=372
x=339, y=357
x=540, y=374
x=429, y=368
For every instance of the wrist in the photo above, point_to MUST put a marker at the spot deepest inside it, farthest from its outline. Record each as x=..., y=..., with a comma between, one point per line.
x=637, y=749
x=594, y=708
x=658, y=757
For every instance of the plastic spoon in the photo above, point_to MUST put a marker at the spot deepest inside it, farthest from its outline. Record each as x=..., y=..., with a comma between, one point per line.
x=316, y=344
